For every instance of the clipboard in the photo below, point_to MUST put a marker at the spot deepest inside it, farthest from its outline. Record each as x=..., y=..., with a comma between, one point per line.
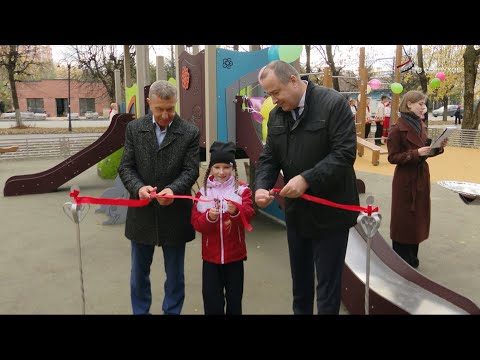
x=445, y=134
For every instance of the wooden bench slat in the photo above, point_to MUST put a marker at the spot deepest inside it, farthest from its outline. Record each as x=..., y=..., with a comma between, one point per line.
x=8, y=149
x=376, y=150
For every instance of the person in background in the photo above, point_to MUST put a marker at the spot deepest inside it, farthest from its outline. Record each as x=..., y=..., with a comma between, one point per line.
x=386, y=120
x=162, y=155
x=113, y=110
x=368, y=119
x=223, y=232
x=379, y=119
x=410, y=217
x=353, y=107
x=458, y=115
x=312, y=139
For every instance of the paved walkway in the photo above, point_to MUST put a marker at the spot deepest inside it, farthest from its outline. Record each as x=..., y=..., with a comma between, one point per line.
x=39, y=271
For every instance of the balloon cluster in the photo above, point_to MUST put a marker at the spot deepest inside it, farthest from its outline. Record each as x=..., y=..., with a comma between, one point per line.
x=375, y=84
x=435, y=82
x=287, y=53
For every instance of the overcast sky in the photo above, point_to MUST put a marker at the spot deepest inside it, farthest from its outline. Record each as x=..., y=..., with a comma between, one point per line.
x=381, y=51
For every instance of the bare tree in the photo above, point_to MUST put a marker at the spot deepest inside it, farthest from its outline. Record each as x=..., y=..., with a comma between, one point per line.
x=471, y=58
x=328, y=55
x=422, y=76
x=18, y=60
x=99, y=62
x=308, y=68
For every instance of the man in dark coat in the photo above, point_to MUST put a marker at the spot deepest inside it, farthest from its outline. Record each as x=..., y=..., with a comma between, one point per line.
x=312, y=139
x=161, y=154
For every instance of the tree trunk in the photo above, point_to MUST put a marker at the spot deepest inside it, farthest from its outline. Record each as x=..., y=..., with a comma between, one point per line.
x=445, y=107
x=331, y=63
x=308, y=69
x=422, y=77
x=470, y=62
x=13, y=87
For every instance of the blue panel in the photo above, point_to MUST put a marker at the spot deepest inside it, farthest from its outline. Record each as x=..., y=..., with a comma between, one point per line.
x=274, y=210
x=231, y=66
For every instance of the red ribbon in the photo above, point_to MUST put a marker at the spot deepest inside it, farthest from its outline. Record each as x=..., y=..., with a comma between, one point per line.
x=139, y=203
x=318, y=200
x=126, y=202
x=242, y=215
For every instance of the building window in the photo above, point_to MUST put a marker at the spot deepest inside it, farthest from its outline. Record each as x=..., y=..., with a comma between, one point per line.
x=87, y=105
x=35, y=105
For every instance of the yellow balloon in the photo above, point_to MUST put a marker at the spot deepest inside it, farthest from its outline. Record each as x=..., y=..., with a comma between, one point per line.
x=368, y=89
x=264, y=129
x=267, y=106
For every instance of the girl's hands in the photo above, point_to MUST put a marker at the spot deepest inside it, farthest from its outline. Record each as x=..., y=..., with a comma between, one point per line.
x=213, y=214
x=231, y=208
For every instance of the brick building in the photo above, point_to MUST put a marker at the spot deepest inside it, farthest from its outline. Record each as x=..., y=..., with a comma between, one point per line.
x=51, y=97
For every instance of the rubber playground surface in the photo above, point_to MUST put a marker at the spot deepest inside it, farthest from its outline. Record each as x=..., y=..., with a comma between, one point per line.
x=39, y=267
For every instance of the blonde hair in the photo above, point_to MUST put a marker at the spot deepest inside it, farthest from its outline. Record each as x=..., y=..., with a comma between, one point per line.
x=412, y=96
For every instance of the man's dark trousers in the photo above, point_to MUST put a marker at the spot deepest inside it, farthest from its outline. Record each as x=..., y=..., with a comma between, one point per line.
x=327, y=251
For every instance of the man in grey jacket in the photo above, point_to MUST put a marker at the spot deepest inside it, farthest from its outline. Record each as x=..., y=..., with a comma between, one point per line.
x=161, y=154
x=312, y=139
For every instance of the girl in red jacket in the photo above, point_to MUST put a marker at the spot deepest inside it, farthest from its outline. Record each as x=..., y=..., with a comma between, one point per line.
x=223, y=233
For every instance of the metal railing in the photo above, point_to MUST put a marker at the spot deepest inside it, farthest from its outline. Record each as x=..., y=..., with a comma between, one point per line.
x=459, y=138
x=32, y=147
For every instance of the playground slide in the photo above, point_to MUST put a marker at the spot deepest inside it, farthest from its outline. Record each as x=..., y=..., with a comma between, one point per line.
x=395, y=287
x=49, y=180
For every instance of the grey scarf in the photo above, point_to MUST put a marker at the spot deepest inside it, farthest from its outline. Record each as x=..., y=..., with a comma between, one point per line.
x=414, y=121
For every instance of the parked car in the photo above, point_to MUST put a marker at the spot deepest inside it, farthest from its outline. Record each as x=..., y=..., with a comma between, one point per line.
x=450, y=112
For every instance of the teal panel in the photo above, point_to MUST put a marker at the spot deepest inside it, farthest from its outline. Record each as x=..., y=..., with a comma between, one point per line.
x=274, y=210
x=231, y=66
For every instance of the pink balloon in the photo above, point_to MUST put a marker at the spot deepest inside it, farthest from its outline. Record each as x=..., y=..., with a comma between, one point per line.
x=441, y=75
x=260, y=72
x=255, y=104
x=375, y=84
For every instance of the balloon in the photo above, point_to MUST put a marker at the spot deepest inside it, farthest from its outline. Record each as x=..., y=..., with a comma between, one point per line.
x=260, y=72
x=369, y=89
x=264, y=129
x=255, y=104
x=273, y=53
x=434, y=83
x=397, y=88
x=267, y=106
x=375, y=84
x=441, y=75
x=290, y=53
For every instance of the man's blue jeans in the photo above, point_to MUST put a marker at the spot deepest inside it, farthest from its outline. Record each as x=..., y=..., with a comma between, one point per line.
x=140, y=287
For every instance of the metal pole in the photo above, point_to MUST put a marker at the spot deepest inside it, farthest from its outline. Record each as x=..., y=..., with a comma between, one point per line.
x=370, y=224
x=69, y=109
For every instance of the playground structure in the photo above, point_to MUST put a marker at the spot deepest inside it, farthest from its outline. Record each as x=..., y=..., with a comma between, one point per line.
x=212, y=101
x=396, y=287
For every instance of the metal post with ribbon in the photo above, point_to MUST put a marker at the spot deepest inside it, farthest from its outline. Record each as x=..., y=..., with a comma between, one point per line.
x=76, y=213
x=370, y=222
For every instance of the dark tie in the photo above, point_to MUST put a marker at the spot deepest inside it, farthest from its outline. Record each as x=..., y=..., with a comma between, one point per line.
x=297, y=112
